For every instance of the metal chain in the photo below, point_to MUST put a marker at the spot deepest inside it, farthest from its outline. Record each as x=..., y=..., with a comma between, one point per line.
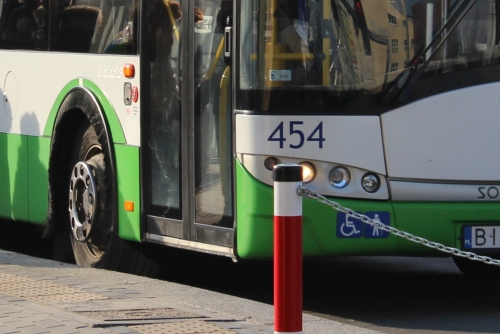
x=307, y=193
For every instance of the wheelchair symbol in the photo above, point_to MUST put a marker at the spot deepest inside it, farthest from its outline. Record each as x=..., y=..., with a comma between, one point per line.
x=348, y=228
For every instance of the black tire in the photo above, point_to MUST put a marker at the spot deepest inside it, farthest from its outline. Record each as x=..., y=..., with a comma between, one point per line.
x=476, y=269
x=102, y=248
x=98, y=249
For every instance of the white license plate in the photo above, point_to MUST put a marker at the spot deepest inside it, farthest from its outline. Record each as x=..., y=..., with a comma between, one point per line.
x=481, y=237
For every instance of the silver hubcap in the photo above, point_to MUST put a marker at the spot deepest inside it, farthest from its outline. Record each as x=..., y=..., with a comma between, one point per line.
x=83, y=199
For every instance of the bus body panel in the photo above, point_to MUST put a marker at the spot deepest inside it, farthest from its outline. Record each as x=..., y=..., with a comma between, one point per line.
x=29, y=123
x=14, y=182
x=439, y=191
x=59, y=69
x=24, y=182
x=440, y=222
x=445, y=137
x=38, y=164
x=320, y=226
x=128, y=181
x=354, y=141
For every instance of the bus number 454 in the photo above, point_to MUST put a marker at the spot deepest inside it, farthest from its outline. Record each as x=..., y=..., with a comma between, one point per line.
x=299, y=137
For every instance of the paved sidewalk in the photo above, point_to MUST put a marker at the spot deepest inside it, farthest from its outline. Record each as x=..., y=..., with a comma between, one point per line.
x=43, y=296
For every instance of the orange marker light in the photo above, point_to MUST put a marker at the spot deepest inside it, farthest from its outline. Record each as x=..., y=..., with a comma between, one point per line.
x=129, y=70
x=129, y=206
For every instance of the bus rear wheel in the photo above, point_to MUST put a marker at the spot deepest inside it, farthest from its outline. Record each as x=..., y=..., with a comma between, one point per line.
x=92, y=210
x=90, y=203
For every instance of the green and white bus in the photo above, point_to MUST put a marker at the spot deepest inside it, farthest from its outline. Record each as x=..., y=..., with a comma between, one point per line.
x=160, y=121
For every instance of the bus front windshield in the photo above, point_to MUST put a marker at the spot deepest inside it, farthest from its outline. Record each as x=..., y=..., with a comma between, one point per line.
x=337, y=56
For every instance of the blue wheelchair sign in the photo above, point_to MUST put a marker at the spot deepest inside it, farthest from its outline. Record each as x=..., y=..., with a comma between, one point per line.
x=348, y=227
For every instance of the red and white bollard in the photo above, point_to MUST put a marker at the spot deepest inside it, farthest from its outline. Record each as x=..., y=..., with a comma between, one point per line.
x=287, y=249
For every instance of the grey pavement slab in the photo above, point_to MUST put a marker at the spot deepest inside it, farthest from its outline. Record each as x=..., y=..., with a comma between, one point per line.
x=43, y=296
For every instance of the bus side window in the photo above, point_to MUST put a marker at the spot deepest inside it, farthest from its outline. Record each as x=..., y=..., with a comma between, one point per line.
x=117, y=29
x=19, y=26
x=97, y=26
x=8, y=6
x=78, y=25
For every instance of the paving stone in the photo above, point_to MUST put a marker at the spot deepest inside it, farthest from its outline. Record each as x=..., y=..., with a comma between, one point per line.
x=95, y=290
x=123, y=330
x=95, y=330
x=10, y=320
x=49, y=323
x=82, y=286
x=37, y=317
x=15, y=299
x=57, y=312
x=34, y=330
x=64, y=330
x=9, y=330
x=74, y=324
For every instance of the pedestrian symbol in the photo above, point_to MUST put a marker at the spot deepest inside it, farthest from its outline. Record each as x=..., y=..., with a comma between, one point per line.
x=371, y=231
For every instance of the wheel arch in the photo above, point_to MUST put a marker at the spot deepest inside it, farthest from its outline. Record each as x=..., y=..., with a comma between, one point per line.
x=106, y=109
x=74, y=106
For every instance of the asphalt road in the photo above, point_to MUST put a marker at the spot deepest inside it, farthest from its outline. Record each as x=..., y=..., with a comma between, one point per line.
x=385, y=294
x=402, y=295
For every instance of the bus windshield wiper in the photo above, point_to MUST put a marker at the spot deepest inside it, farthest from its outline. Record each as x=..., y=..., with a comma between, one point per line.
x=403, y=85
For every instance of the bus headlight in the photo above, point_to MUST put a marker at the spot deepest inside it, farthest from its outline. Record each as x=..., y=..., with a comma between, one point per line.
x=270, y=162
x=370, y=183
x=308, y=172
x=339, y=177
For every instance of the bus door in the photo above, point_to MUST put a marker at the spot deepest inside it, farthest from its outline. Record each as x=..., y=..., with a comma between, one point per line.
x=162, y=138
x=213, y=209
x=187, y=144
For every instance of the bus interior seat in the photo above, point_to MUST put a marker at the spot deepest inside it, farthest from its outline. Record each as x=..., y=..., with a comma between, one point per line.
x=8, y=6
x=78, y=25
x=19, y=26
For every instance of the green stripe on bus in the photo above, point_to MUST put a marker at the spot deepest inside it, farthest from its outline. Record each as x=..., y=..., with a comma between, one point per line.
x=129, y=189
x=24, y=184
x=109, y=112
x=441, y=221
x=14, y=180
x=38, y=165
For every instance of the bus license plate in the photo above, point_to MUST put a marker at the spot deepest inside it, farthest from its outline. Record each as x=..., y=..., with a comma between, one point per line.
x=481, y=237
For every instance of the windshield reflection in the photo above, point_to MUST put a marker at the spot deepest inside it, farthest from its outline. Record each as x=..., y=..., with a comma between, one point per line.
x=340, y=50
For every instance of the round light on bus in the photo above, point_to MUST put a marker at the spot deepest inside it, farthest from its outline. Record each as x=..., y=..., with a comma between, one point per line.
x=340, y=177
x=370, y=183
x=308, y=172
x=270, y=162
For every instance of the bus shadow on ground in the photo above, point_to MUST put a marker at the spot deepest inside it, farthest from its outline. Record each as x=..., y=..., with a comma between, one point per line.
x=25, y=238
